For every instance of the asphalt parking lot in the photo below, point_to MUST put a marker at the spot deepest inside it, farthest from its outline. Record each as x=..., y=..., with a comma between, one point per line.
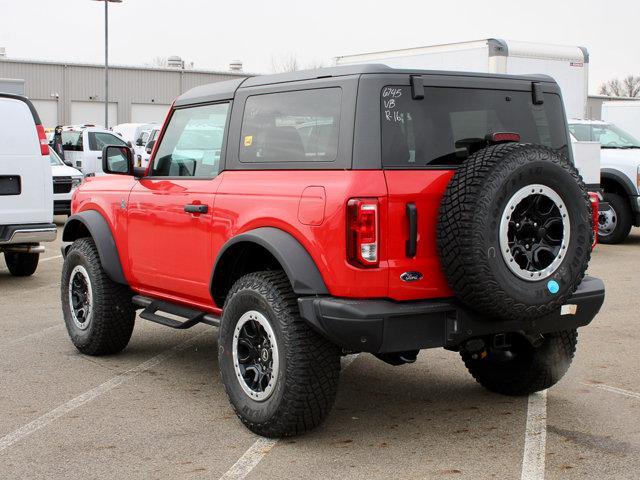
x=158, y=410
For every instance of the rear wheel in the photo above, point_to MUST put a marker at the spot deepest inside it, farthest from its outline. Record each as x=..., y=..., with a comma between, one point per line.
x=522, y=368
x=98, y=312
x=614, y=224
x=281, y=376
x=21, y=264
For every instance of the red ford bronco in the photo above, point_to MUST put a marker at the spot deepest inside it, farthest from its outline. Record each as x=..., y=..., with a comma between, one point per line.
x=348, y=209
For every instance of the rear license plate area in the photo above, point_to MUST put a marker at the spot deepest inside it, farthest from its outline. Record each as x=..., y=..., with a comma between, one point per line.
x=10, y=185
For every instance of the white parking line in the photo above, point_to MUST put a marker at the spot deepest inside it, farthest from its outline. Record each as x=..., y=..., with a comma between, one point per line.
x=535, y=437
x=619, y=391
x=90, y=395
x=50, y=258
x=256, y=452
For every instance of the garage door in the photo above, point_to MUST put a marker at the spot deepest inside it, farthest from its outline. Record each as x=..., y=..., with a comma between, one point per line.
x=148, y=112
x=48, y=112
x=93, y=113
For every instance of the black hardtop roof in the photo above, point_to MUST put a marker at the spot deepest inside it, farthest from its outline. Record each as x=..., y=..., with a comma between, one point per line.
x=226, y=89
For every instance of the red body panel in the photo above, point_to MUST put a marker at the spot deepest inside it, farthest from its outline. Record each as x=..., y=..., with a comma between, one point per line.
x=168, y=253
x=425, y=189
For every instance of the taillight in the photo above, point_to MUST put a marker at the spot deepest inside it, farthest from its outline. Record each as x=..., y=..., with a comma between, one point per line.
x=500, y=137
x=44, y=144
x=595, y=204
x=362, y=232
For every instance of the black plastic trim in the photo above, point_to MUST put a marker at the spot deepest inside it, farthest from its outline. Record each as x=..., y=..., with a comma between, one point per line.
x=300, y=268
x=625, y=183
x=383, y=326
x=99, y=230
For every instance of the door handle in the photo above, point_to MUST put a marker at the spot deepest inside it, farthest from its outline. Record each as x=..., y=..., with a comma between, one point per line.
x=411, y=246
x=196, y=208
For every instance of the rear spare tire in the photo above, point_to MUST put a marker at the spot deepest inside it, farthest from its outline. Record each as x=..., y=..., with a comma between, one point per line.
x=515, y=231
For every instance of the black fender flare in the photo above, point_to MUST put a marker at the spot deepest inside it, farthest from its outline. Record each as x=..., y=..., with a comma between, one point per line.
x=620, y=178
x=303, y=274
x=93, y=222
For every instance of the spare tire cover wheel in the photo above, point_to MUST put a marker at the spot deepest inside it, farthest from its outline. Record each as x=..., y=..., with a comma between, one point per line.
x=514, y=231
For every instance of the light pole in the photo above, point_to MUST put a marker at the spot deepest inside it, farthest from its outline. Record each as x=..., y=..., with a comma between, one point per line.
x=106, y=58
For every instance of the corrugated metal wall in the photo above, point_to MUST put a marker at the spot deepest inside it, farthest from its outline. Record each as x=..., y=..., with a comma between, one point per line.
x=127, y=85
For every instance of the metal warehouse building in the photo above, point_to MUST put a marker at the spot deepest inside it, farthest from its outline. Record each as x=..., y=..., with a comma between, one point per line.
x=73, y=93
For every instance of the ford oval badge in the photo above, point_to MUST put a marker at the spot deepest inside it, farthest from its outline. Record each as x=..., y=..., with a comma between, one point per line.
x=411, y=276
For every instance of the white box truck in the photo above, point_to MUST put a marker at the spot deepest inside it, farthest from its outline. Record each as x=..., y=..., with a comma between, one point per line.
x=568, y=65
x=624, y=114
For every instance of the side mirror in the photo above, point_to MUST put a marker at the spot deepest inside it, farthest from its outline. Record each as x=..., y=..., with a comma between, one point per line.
x=117, y=160
x=150, y=146
x=129, y=144
x=139, y=142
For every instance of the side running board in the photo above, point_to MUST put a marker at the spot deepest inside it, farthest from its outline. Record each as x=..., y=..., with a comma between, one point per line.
x=191, y=317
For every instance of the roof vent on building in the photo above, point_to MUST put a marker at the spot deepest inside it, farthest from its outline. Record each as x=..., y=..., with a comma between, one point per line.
x=235, y=66
x=3, y=52
x=175, y=61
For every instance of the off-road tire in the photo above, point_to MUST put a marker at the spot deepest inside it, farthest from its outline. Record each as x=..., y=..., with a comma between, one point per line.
x=113, y=313
x=535, y=370
x=469, y=228
x=21, y=264
x=623, y=214
x=309, y=371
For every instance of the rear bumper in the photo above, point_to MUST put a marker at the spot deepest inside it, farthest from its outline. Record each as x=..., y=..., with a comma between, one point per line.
x=384, y=326
x=29, y=233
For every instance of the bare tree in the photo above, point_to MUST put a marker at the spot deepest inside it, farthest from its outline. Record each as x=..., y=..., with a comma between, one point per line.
x=159, y=62
x=286, y=63
x=627, y=87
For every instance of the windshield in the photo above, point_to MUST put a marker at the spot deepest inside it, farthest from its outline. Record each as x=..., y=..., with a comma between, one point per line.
x=54, y=159
x=448, y=124
x=608, y=135
x=72, y=140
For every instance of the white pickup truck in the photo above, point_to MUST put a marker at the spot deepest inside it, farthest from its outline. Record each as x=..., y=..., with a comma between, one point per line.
x=26, y=186
x=83, y=147
x=619, y=177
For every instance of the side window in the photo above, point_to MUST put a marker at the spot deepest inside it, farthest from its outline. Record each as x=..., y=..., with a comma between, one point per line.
x=99, y=140
x=192, y=143
x=300, y=126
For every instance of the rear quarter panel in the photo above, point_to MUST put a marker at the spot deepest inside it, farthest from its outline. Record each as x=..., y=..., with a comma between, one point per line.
x=251, y=199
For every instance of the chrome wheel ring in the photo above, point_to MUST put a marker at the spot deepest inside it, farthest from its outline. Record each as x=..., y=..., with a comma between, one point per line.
x=607, y=222
x=255, y=355
x=80, y=297
x=534, y=232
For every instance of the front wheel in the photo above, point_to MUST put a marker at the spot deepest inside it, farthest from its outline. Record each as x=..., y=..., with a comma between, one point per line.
x=21, y=264
x=98, y=312
x=520, y=368
x=281, y=376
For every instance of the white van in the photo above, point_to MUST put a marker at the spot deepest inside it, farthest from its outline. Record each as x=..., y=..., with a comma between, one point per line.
x=83, y=147
x=26, y=186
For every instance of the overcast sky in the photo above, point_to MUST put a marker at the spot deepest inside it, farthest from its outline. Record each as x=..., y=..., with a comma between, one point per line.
x=211, y=33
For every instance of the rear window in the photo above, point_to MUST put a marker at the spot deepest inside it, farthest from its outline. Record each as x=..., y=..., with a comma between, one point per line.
x=441, y=129
x=72, y=141
x=301, y=126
